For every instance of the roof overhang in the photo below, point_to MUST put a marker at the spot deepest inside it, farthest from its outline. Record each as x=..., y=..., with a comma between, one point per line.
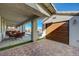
x=70, y=13
x=45, y=8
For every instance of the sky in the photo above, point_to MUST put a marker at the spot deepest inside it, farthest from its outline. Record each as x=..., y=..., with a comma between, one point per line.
x=39, y=24
x=67, y=6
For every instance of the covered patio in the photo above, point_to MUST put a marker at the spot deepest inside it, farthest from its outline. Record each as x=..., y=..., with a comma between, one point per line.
x=13, y=20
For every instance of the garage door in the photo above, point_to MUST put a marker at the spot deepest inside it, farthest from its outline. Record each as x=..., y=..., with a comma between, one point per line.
x=58, y=31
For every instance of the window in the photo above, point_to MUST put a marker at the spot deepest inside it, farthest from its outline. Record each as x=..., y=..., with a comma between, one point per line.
x=39, y=27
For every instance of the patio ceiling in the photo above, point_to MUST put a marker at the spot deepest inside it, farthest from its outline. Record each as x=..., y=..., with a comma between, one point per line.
x=16, y=13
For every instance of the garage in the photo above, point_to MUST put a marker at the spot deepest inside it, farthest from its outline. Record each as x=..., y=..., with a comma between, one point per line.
x=57, y=28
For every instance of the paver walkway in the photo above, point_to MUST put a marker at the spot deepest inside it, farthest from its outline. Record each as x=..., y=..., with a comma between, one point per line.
x=41, y=48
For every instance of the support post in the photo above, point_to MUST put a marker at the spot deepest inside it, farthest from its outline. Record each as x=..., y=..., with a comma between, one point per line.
x=34, y=35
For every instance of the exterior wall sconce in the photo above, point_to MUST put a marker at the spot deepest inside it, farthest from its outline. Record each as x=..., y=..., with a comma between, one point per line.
x=74, y=21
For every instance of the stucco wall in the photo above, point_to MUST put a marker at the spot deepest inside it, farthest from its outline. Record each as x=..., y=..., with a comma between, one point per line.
x=58, y=18
x=74, y=31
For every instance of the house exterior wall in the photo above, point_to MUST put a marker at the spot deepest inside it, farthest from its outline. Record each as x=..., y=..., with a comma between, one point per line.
x=58, y=18
x=74, y=31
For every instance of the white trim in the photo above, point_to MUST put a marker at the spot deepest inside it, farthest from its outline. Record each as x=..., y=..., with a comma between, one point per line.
x=54, y=7
x=67, y=12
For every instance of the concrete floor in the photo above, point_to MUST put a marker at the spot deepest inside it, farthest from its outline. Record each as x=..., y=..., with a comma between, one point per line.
x=42, y=48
